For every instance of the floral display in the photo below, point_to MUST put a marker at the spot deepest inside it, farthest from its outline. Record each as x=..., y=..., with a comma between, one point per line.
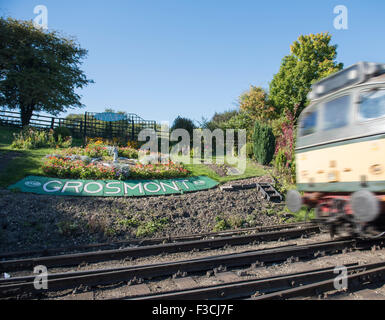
x=74, y=169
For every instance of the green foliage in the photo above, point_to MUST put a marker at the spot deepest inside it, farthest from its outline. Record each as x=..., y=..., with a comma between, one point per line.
x=255, y=103
x=150, y=227
x=249, y=149
x=264, y=143
x=78, y=169
x=311, y=58
x=39, y=70
x=68, y=228
x=219, y=120
x=31, y=138
x=303, y=215
x=128, y=222
x=184, y=123
x=232, y=222
x=280, y=160
x=221, y=224
x=97, y=150
x=64, y=132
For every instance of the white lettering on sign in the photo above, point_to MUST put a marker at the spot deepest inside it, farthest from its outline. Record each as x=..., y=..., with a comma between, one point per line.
x=184, y=183
x=112, y=188
x=109, y=186
x=151, y=183
x=54, y=189
x=139, y=186
x=173, y=186
x=75, y=184
x=95, y=191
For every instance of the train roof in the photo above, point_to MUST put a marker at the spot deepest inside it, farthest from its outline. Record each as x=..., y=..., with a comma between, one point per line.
x=350, y=76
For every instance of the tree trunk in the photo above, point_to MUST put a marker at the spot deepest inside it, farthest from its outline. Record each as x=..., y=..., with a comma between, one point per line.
x=26, y=114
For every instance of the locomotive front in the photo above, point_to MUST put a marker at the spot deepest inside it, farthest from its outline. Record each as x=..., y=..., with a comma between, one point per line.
x=340, y=151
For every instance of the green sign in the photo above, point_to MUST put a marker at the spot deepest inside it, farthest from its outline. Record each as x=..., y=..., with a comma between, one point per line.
x=112, y=188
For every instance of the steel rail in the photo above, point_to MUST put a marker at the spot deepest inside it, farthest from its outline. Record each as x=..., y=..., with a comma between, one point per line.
x=102, y=277
x=315, y=289
x=135, y=252
x=152, y=241
x=247, y=288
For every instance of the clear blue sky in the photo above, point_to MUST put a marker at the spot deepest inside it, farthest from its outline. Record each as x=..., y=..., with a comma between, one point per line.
x=165, y=58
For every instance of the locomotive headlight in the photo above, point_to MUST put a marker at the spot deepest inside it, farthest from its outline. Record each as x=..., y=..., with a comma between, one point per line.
x=333, y=176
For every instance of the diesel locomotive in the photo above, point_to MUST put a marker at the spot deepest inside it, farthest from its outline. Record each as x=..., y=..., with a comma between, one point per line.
x=340, y=151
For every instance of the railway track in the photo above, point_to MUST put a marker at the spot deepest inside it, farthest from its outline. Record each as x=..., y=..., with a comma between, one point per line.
x=301, y=284
x=20, y=286
x=217, y=240
x=152, y=241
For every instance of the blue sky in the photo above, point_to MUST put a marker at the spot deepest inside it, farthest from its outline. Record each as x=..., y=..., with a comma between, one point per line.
x=165, y=58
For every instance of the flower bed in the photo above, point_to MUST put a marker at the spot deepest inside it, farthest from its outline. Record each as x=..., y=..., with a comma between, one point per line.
x=98, y=151
x=159, y=171
x=75, y=169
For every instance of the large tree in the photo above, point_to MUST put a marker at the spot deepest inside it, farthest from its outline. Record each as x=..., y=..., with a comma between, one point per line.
x=255, y=103
x=311, y=58
x=39, y=70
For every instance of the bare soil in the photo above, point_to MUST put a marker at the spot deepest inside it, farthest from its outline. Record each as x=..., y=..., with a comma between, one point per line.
x=29, y=221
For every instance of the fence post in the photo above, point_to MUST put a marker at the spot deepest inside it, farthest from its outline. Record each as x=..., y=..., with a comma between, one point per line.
x=85, y=129
x=132, y=130
x=52, y=122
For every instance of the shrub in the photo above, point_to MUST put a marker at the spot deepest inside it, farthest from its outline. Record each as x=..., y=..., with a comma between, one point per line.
x=64, y=132
x=263, y=143
x=31, y=138
x=184, y=123
x=285, y=147
x=249, y=150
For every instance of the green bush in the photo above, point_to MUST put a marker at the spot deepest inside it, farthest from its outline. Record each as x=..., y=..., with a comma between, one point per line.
x=263, y=143
x=249, y=150
x=280, y=160
x=32, y=138
x=64, y=132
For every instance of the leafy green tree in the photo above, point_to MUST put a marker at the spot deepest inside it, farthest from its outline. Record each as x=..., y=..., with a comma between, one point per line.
x=255, y=103
x=219, y=120
x=184, y=123
x=263, y=143
x=39, y=69
x=311, y=58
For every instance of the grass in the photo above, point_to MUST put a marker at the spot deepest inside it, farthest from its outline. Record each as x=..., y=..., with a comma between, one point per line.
x=6, y=136
x=28, y=163
x=252, y=170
